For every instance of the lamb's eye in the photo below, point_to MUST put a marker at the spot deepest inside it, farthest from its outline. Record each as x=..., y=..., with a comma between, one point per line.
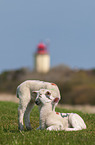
x=48, y=93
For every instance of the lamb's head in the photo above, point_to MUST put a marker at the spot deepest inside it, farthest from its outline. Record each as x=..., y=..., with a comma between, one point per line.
x=44, y=96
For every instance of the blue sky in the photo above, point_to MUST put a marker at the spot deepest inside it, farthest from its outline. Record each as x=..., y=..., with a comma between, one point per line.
x=69, y=25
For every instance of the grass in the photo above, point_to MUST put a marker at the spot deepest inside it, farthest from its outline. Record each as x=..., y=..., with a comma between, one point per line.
x=9, y=134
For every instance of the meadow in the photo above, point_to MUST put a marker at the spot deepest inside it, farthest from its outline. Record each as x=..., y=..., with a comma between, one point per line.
x=10, y=135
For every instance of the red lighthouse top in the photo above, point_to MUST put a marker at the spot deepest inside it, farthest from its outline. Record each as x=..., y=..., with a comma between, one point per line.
x=41, y=49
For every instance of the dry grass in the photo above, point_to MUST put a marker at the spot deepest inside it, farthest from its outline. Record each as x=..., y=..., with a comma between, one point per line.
x=83, y=108
x=9, y=98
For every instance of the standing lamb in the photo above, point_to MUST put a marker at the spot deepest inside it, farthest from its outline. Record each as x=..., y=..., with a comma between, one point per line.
x=51, y=120
x=27, y=99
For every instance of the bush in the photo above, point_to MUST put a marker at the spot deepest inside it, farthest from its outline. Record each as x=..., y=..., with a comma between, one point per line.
x=76, y=87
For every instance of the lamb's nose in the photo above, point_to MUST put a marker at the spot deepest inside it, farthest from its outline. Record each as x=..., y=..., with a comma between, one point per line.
x=37, y=102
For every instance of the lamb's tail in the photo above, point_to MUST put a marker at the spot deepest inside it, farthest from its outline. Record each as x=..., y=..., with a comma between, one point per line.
x=17, y=94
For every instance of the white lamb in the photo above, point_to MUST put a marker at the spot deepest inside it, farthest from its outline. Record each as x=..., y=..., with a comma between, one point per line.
x=27, y=99
x=51, y=120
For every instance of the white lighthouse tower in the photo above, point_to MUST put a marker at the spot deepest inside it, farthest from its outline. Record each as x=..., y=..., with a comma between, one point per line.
x=42, y=59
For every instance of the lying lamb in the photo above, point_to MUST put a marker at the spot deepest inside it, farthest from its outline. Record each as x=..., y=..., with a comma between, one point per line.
x=51, y=120
x=27, y=99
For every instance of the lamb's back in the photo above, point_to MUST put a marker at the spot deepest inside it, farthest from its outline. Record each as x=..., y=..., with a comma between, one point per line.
x=35, y=85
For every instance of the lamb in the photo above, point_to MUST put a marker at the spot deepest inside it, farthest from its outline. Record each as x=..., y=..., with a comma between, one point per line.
x=27, y=99
x=51, y=120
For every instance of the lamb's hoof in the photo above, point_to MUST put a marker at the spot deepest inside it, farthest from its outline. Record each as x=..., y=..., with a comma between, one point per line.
x=20, y=128
x=28, y=127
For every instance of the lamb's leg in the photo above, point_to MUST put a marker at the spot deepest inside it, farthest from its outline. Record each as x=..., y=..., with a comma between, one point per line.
x=24, y=99
x=55, y=127
x=27, y=115
x=72, y=129
x=20, y=117
x=76, y=122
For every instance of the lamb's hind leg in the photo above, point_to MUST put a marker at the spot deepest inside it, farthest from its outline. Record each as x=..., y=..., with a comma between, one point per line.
x=23, y=103
x=27, y=115
x=76, y=122
x=21, y=111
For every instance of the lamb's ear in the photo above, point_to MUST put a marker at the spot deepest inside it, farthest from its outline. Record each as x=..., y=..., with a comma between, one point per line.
x=56, y=100
x=35, y=92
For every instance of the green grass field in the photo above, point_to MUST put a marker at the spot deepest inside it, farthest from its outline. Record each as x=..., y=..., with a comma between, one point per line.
x=9, y=134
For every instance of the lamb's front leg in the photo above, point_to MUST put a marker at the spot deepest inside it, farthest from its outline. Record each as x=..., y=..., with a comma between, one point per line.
x=27, y=115
x=55, y=127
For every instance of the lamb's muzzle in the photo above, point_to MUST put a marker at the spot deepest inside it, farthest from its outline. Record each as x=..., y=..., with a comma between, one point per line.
x=37, y=102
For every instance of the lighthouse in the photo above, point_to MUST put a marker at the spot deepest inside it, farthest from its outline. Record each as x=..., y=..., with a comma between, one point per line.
x=42, y=59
